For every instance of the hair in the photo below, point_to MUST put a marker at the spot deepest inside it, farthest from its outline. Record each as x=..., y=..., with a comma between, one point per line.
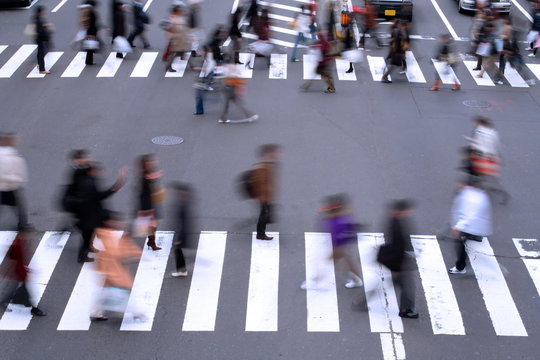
x=143, y=159
x=483, y=121
x=268, y=149
x=78, y=154
x=402, y=205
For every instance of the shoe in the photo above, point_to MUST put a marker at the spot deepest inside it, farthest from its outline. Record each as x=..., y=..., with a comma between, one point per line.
x=170, y=69
x=499, y=82
x=85, y=260
x=120, y=56
x=353, y=284
x=179, y=274
x=37, y=311
x=531, y=82
x=132, y=45
x=238, y=62
x=152, y=243
x=402, y=72
x=477, y=68
x=480, y=76
x=147, y=46
x=98, y=318
x=254, y=117
x=349, y=71
x=531, y=55
x=295, y=60
x=529, y=48
x=386, y=81
x=329, y=91
x=45, y=72
x=455, y=270
x=194, y=53
x=221, y=121
x=209, y=88
x=196, y=113
x=409, y=314
x=456, y=87
x=264, y=237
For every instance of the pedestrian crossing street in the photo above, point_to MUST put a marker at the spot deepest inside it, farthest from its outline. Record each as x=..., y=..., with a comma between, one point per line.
x=143, y=64
x=322, y=310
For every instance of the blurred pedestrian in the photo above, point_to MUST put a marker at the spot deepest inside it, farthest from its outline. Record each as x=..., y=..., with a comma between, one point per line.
x=92, y=212
x=331, y=20
x=83, y=21
x=215, y=42
x=471, y=219
x=16, y=290
x=43, y=37
x=398, y=255
x=236, y=35
x=179, y=39
x=396, y=55
x=119, y=24
x=324, y=50
x=447, y=55
x=263, y=47
x=151, y=193
x=234, y=90
x=535, y=40
x=140, y=19
x=476, y=29
x=263, y=179
x=183, y=201
x=370, y=24
x=194, y=24
x=487, y=48
x=301, y=24
x=13, y=177
x=91, y=32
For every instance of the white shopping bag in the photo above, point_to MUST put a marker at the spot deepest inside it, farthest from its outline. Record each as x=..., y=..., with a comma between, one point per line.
x=120, y=44
x=354, y=55
x=261, y=47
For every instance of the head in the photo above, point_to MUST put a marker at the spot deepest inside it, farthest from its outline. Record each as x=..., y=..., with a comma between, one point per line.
x=40, y=10
x=79, y=157
x=9, y=139
x=402, y=208
x=270, y=152
x=148, y=163
x=482, y=121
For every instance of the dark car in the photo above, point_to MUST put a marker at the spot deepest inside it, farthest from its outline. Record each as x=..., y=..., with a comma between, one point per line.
x=15, y=3
x=394, y=9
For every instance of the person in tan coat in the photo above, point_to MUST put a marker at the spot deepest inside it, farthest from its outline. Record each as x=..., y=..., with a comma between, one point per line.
x=263, y=178
x=179, y=36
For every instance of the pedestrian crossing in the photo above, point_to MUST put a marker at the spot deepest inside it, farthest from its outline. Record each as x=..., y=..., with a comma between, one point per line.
x=322, y=312
x=144, y=65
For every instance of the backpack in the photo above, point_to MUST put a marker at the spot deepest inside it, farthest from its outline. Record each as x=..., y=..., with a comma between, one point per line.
x=245, y=185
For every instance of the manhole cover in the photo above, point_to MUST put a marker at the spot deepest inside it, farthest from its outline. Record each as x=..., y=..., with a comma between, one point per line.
x=167, y=140
x=477, y=103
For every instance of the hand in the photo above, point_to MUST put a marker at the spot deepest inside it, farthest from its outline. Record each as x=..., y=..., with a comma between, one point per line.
x=121, y=178
x=455, y=232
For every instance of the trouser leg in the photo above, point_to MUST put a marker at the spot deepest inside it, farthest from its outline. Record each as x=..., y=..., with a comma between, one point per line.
x=179, y=258
x=461, y=253
x=21, y=207
x=263, y=219
x=408, y=290
x=227, y=97
x=85, y=245
x=199, y=102
x=89, y=57
x=41, y=56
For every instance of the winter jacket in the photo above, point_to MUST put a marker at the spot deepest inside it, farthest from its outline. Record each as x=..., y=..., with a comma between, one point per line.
x=13, y=170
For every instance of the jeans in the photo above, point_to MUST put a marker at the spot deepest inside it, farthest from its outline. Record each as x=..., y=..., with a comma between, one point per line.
x=199, y=99
x=461, y=252
x=299, y=38
x=139, y=31
x=41, y=55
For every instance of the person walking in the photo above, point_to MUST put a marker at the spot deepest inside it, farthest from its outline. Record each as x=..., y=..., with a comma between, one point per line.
x=151, y=193
x=91, y=31
x=43, y=35
x=234, y=90
x=91, y=212
x=535, y=27
x=263, y=178
x=179, y=39
x=396, y=55
x=471, y=219
x=140, y=19
x=183, y=200
x=487, y=48
x=236, y=35
x=301, y=26
x=13, y=177
x=119, y=24
x=323, y=66
x=476, y=30
x=398, y=255
x=370, y=24
x=447, y=55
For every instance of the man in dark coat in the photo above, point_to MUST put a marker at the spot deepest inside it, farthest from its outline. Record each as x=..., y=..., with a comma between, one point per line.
x=42, y=38
x=140, y=18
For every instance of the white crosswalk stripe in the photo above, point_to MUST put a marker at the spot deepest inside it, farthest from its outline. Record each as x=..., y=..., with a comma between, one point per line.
x=485, y=80
x=50, y=59
x=377, y=66
x=179, y=65
x=512, y=76
x=342, y=66
x=310, y=65
x=76, y=66
x=414, y=74
x=535, y=69
x=530, y=248
x=6, y=239
x=278, y=66
x=2, y=48
x=111, y=66
x=446, y=73
x=16, y=60
x=144, y=65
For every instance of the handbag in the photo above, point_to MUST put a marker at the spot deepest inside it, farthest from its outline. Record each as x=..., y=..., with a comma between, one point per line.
x=90, y=44
x=30, y=30
x=143, y=224
x=484, y=49
x=120, y=44
x=387, y=257
x=354, y=55
x=531, y=36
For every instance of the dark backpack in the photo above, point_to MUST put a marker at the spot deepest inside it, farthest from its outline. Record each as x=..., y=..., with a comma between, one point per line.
x=245, y=185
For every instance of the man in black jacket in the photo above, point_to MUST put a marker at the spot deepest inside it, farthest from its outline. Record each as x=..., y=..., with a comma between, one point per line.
x=140, y=18
x=42, y=38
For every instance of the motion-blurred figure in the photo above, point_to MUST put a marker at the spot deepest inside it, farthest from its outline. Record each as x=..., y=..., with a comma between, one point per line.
x=487, y=48
x=398, y=45
x=323, y=47
x=183, y=201
x=13, y=176
x=447, y=55
x=140, y=19
x=236, y=35
x=17, y=273
x=471, y=219
x=119, y=23
x=91, y=31
x=179, y=37
x=301, y=26
x=370, y=24
x=43, y=37
x=252, y=14
x=234, y=90
x=264, y=185
x=194, y=25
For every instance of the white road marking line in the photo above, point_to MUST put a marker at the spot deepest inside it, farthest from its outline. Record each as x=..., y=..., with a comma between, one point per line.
x=41, y=268
x=446, y=73
x=144, y=65
x=377, y=66
x=246, y=68
x=280, y=17
x=111, y=66
x=278, y=66
x=6, y=239
x=57, y=7
x=342, y=66
x=523, y=11
x=392, y=346
x=441, y=300
x=2, y=48
x=283, y=30
x=179, y=65
x=235, y=6
x=146, y=288
x=16, y=60
x=527, y=247
x=262, y=301
x=535, y=69
x=483, y=81
x=413, y=72
x=310, y=65
x=533, y=267
x=321, y=293
x=280, y=6
x=76, y=66
x=203, y=295
x=512, y=76
x=445, y=20
x=50, y=59
x=380, y=294
x=499, y=303
x=147, y=5
x=273, y=41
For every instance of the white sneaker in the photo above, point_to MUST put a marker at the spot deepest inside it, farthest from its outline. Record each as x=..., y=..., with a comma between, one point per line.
x=531, y=82
x=402, y=72
x=529, y=48
x=499, y=82
x=454, y=270
x=531, y=55
x=221, y=121
x=179, y=273
x=352, y=284
x=254, y=117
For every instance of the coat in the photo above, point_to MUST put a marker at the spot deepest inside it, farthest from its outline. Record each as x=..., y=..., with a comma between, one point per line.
x=119, y=22
x=91, y=213
x=13, y=170
x=17, y=253
x=179, y=34
x=395, y=257
x=471, y=212
x=264, y=182
x=42, y=33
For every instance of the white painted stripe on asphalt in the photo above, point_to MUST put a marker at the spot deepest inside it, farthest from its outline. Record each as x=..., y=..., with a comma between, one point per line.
x=535, y=68
x=533, y=267
x=16, y=60
x=111, y=66
x=76, y=66
x=85, y=293
x=41, y=268
x=278, y=66
x=280, y=6
x=523, y=11
x=342, y=66
x=147, y=5
x=392, y=346
x=6, y=239
x=203, y=295
x=377, y=66
x=499, y=303
x=321, y=293
x=146, y=288
x=283, y=30
x=273, y=41
x=483, y=81
x=380, y=294
x=235, y=6
x=445, y=20
x=527, y=247
x=280, y=17
x=2, y=48
x=179, y=65
x=445, y=71
x=57, y=7
x=414, y=74
x=441, y=300
x=50, y=59
x=512, y=76
x=310, y=65
x=246, y=69
x=144, y=65
x=262, y=301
